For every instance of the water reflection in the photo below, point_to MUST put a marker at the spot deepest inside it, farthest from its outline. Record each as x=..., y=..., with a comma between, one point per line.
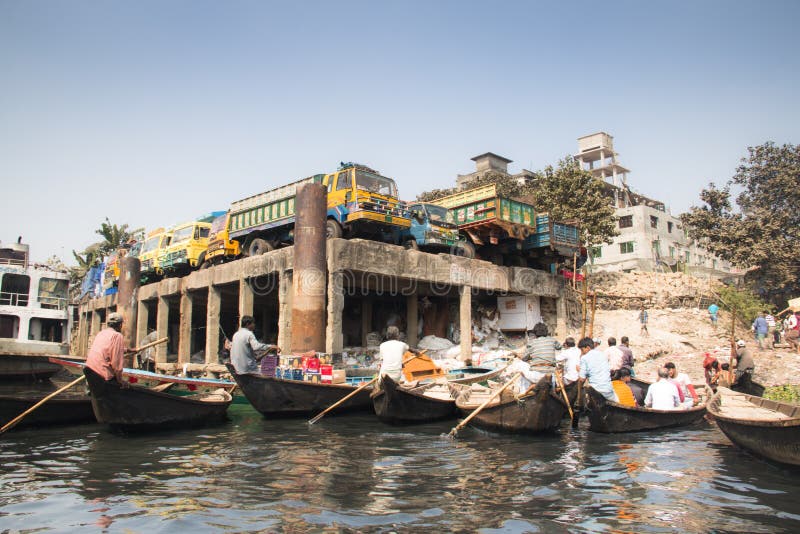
x=355, y=473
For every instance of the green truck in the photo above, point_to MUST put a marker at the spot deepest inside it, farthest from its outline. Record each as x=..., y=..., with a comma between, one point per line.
x=507, y=231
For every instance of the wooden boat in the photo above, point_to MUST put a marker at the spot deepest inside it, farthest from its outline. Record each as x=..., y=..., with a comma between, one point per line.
x=608, y=416
x=73, y=406
x=136, y=408
x=418, y=403
x=276, y=397
x=766, y=428
x=182, y=384
x=472, y=375
x=539, y=410
x=26, y=367
x=746, y=385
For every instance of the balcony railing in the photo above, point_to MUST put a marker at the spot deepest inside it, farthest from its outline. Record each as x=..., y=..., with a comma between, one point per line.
x=8, y=298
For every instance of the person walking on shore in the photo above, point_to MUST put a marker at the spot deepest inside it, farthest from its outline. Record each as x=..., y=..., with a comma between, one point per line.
x=760, y=328
x=713, y=314
x=643, y=318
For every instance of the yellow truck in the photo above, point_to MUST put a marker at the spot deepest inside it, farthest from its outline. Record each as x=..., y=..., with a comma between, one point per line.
x=220, y=246
x=156, y=241
x=187, y=247
x=361, y=203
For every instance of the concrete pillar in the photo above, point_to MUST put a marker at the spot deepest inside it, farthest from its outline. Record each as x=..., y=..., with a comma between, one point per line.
x=245, y=299
x=308, y=299
x=95, y=323
x=83, y=336
x=562, y=321
x=465, y=322
x=333, y=332
x=162, y=325
x=128, y=301
x=212, y=324
x=366, y=319
x=142, y=319
x=285, y=310
x=185, y=328
x=412, y=320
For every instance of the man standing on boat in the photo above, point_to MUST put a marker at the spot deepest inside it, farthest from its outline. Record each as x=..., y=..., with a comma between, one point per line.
x=108, y=348
x=244, y=346
x=594, y=368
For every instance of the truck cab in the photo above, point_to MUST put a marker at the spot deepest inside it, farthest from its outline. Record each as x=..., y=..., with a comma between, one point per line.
x=361, y=202
x=156, y=241
x=220, y=247
x=433, y=227
x=187, y=247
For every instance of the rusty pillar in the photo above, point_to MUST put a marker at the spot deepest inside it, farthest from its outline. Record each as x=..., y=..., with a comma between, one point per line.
x=310, y=270
x=128, y=300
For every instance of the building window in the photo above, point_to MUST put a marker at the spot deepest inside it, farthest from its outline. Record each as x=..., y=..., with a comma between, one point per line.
x=626, y=221
x=626, y=247
x=656, y=248
x=714, y=263
x=671, y=252
x=669, y=227
x=597, y=252
x=687, y=257
x=653, y=221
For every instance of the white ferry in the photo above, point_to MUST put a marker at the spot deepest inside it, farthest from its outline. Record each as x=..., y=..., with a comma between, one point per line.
x=35, y=316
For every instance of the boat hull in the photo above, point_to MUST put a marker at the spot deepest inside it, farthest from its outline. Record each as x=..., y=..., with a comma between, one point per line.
x=26, y=367
x=542, y=410
x=396, y=405
x=139, y=409
x=611, y=417
x=62, y=409
x=276, y=397
x=774, y=440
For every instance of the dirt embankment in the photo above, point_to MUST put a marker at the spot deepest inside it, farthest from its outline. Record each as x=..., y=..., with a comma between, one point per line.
x=679, y=327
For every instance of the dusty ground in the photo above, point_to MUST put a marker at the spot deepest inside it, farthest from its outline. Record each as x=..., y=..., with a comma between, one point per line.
x=679, y=326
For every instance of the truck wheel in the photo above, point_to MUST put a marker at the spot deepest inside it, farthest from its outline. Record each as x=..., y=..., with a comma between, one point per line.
x=468, y=250
x=259, y=246
x=206, y=265
x=201, y=259
x=411, y=244
x=333, y=230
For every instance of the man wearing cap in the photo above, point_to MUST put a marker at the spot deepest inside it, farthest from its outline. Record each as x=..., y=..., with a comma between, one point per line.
x=744, y=360
x=108, y=348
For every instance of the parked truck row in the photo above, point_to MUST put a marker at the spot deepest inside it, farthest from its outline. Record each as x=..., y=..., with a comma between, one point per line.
x=362, y=203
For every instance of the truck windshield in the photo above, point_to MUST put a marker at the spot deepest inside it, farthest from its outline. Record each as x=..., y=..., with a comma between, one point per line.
x=218, y=225
x=439, y=214
x=182, y=234
x=376, y=184
x=151, y=244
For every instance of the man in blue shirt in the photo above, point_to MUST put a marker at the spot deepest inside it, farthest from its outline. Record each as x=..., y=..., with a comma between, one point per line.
x=760, y=328
x=713, y=310
x=594, y=368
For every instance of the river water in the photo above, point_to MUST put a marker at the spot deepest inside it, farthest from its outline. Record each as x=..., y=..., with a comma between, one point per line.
x=353, y=473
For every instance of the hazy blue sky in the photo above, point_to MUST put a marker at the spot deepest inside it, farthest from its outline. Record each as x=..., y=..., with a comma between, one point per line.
x=153, y=112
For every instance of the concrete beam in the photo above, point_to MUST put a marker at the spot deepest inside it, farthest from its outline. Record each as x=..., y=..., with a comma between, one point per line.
x=246, y=297
x=142, y=318
x=285, y=310
x=212, y=323
x=334, y=338
x=465, y=322
x=162, y=325
x=185, y=328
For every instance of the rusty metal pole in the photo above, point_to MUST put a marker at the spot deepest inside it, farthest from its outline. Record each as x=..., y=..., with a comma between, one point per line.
x=583, y=303
x=594, y=307
x=128, y=301
x=310, y=269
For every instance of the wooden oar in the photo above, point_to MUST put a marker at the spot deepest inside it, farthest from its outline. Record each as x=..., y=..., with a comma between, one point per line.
x=20, y=417
x=578, y=404
x=362, y=386
x=149, y=345
x=480, y=408
x=560, y=383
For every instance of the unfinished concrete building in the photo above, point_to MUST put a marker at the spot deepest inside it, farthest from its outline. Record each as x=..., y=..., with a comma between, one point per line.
x=369, y=285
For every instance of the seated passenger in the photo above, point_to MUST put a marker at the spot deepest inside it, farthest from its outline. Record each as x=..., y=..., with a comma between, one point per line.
x=622, y=387
x=682, y=382
x=662, y=395
x=528, y=377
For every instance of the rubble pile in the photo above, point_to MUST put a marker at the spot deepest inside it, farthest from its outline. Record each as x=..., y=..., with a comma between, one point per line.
x=658, y=290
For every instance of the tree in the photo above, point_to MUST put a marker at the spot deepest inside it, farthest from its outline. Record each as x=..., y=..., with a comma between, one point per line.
x=762, y=232
x=113, y=236
x=568, y=192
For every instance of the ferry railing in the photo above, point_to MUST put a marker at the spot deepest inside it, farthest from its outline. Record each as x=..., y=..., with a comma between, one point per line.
x=7, y=298
x=11, y=261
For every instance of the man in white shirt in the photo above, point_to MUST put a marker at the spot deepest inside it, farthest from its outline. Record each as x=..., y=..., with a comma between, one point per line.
x=391, y=352
x=571, y=358
x=662, y=395
x=614, y=355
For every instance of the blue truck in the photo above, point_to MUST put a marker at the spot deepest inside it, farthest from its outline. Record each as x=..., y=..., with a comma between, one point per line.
x=434, y=228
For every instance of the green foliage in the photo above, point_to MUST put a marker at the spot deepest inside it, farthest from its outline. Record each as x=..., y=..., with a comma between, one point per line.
x=566, y=192
x=763, y=231
x=114, y=237
x=744, y=303
x=787, y=393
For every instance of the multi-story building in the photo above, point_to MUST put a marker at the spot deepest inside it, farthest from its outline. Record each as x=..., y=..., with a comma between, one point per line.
x=650, y=237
